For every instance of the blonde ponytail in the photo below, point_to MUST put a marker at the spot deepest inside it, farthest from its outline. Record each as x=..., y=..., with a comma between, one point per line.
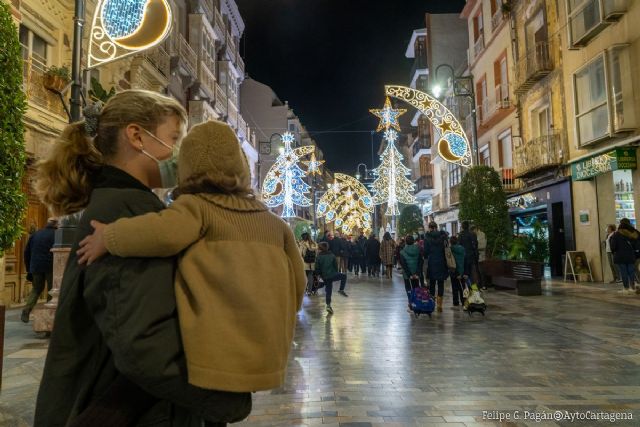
x=63, y=178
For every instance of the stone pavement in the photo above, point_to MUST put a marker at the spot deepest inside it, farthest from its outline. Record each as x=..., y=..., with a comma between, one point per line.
x=576, y=348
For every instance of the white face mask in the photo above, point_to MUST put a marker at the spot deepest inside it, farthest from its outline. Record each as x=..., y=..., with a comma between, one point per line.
x=168, y=167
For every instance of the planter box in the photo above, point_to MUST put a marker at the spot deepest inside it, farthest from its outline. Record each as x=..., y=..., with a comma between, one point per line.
x=523, y=276
x=54, y=83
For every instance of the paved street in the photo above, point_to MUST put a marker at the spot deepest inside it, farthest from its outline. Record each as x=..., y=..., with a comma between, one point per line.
x=576, y=348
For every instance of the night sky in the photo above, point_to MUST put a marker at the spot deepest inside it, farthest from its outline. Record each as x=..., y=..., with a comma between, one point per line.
x=331, y=59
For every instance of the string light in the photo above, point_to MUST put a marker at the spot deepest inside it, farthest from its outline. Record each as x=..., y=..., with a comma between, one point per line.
x=313, y=165
x=347, y=204
x=388, y=116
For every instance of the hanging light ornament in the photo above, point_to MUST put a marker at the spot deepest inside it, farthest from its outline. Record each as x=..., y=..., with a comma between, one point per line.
x=347, y=204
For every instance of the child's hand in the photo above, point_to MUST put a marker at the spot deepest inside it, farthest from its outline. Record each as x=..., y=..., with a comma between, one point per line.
x=92, y=247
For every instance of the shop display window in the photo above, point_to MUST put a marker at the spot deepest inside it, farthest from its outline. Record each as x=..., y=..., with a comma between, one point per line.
x=625, y=204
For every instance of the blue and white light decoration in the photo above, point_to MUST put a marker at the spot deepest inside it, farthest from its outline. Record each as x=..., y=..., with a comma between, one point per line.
x=124, y=27
x=284, y=184
x=347, y=204
x=453, y=145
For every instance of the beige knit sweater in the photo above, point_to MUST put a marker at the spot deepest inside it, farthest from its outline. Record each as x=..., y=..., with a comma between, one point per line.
x=239, y=285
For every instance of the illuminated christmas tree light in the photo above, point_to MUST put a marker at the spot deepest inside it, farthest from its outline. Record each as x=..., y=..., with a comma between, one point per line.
x=347, y=204
x=284, y=184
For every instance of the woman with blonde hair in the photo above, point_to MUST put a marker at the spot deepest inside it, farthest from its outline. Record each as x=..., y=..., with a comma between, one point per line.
x=117, y=319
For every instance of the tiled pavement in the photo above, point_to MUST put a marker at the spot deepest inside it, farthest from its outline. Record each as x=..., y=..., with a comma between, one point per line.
x=576, y=348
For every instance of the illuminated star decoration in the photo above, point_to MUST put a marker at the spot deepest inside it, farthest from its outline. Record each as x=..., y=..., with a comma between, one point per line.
x=284, y=184
x=391, y=185
x=453, y=145
x=313, y=165
x=347, y=204
x=388, y=116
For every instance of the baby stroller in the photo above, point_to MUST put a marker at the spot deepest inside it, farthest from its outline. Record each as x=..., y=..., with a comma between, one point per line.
x=473, y=300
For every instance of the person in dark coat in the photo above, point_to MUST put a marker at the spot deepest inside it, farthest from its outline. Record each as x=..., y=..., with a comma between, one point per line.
x=356, y=254
x=411, y=260
x=469, y=241
x=344, y=249
x=362, y=246
x=116, y=326
x=372, y=254
x=39, y=262
x=437, y=270
x=624, y=244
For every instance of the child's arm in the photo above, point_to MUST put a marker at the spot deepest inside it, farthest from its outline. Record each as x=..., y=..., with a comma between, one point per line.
x=161, y=234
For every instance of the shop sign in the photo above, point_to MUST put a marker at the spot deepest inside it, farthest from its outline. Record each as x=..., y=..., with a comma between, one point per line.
x=620, y=158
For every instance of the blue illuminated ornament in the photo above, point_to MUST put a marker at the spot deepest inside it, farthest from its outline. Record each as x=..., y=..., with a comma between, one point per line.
x=347, y=204
x=124, y=27
x=388, y=116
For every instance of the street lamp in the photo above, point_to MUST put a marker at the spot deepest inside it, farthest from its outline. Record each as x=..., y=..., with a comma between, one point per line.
x=463, y=87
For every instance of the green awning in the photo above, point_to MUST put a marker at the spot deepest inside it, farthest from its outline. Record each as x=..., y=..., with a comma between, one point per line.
x=620, y=158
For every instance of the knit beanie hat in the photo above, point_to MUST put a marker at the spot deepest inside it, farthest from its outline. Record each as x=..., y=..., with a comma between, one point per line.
x=212, y=147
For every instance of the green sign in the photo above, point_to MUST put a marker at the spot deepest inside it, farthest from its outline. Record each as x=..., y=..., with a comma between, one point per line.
x=620, y=158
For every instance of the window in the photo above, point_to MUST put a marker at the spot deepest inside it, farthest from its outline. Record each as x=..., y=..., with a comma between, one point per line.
x=485, y=156
x=501, y=77
x=541, y=121
x=496, y=14
x=425, y=166
x=621, y=88
x=505, y=149
x=587, y=18
x=592, y=114
x=481, y=94
x=536, y=31
x=455, y=175
x=34, y=49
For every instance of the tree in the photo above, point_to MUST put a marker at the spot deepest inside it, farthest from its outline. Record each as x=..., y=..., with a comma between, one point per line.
x=410, y=220
x=12, y=151
x=484, y=203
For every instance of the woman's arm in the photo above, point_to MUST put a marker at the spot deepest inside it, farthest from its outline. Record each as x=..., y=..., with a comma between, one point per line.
x=293, y=252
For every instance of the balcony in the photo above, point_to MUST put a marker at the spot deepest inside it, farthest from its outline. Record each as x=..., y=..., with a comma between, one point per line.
x=207, y=81
x=218, y=26
x=242, y=129
x=591, y=17
x=231, y=51
x=478, y=46
x=159, y=60
x=496, y=19
x=418, y=68
x=421, y=147
x=538, y=154
x=200, y=111
x=183, y=57
x=502, y=96
x=221, y=100
x=533, y=66
x=510, y=183
x=240, y=65
x=37, y=95
x=232, y=115
x=424, y=186
x=206, y=7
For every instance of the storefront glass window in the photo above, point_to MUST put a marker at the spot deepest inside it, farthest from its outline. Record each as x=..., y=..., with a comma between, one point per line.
x=623, y=187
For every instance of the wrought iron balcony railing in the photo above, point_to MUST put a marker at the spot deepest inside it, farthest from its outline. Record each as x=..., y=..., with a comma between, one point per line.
x=537, y=154
x=534, y=66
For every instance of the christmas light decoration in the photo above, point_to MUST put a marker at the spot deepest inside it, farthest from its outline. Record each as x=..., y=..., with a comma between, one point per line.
x=124, y=27
x=453, y=145
x=388, y=116
x=284, y=183
x=347, y=204
x=391, y=186
x=313, y=165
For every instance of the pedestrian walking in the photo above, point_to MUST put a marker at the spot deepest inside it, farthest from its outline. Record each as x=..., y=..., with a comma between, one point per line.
x=411, y=260
x=611, y=229
x=437, y=270
x=469, y=241
x=372, y=254
x=362, y=246
x=481, y=255
x=356, y=255
x=396, y=257
x=39, y=262
x=327, y=268
x=625, y=245
x=344, y=249
x=387, y=253
x=458, y=278
x=309, y=252
x=116, y=328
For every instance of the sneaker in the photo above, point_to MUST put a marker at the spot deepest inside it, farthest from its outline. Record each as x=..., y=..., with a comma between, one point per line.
x=25, y=315
x=613, y=281
x=329, y=309
x=343, y=293
x=624, y=292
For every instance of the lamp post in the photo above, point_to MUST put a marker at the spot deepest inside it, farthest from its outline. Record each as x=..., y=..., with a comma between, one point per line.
x=463, y=87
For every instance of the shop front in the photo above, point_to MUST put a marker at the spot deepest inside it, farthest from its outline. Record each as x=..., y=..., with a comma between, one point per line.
x=604, y=187
x=551, y=206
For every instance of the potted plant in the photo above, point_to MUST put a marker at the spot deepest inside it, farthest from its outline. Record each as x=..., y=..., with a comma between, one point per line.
x=56, y=78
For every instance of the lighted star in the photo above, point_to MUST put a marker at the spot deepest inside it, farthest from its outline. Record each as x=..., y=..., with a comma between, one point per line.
x=388, y=116
x=313, y=165
x=445, y=126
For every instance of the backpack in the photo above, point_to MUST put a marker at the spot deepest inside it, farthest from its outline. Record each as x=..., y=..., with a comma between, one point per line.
x=309, y=256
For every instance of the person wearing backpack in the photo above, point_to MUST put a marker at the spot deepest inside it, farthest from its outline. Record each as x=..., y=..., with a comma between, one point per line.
x=625, y=245
x=327, y=268
x=437, y=270
x=458, y=278
x=411, y=261
x=309, y=251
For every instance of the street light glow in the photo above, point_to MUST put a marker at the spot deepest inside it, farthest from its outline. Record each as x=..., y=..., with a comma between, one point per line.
x=437, y=91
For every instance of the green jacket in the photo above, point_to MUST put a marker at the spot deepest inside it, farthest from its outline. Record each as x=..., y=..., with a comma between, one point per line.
x=458, y=252
x=118, y=316
x=326, y=265
x=411, y=260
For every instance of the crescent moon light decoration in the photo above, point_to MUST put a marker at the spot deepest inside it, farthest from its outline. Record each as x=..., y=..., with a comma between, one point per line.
x=124, y=27
x=453, y=145
x=348, y=204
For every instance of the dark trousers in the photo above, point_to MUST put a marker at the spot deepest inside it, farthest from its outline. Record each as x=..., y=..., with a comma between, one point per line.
x=612, y=265
x=456, y=289
x=627, y=273
x=374, y=269
x=328, y=285
x=357, y=265
x=432, y=287
x=39, y=281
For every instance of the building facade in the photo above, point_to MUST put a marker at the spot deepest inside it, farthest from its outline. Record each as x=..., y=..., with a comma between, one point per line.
x=600, y=53
x=199, y=64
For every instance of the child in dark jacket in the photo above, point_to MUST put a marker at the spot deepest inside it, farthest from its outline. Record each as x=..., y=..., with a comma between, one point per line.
x=327, y=268
x=458, y=277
